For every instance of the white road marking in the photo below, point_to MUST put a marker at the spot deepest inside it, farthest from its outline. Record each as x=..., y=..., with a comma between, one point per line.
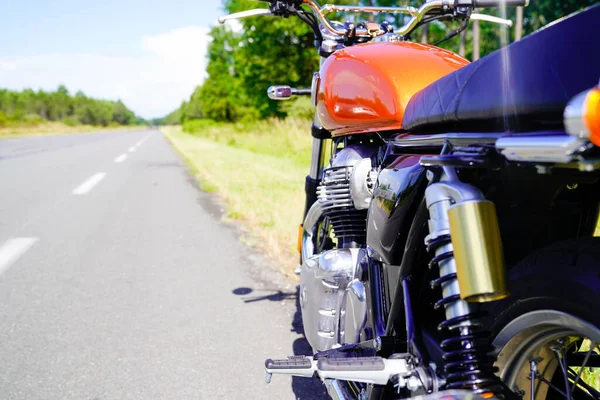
x=141, y=142
x=89, y=184
x=132, y=149
x=13, y=249
x=121, y=158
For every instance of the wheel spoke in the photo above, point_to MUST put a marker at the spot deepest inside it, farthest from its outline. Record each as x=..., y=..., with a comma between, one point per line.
x=585, y=361
x=559, y=353
x=547, y=382
x=533, y=368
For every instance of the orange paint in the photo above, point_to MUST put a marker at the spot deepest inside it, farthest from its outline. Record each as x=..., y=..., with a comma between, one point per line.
x=365, y=88
x=592, y=115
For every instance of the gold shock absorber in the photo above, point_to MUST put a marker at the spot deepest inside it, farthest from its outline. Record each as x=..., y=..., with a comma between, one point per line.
x=478, y=251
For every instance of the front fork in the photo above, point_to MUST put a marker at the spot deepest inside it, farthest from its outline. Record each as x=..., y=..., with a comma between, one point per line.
x=317, y=163
x=315, y=174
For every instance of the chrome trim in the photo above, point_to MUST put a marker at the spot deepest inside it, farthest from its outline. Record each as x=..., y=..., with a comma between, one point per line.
x=309, y=230
x=280, y=92
x=361, y=186
x=355, y=313
x=339, y=390
x=314, y=88
x=401, y=365
x=439, y=198
x=329, y=8
x=329, y=292
x=492, y=19
x=465, y=139
x=574, y=114
x=285, y=92
x=245, y=14
x=317, y=160
x=551, y=148
x=416, y=15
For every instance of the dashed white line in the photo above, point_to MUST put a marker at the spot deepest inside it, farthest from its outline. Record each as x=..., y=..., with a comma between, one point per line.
x=13, y=249
x=142, y=141
x=121, y=158
x=89, y=184
x=132, y=149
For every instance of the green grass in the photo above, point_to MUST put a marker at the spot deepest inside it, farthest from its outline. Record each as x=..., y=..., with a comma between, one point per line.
x=289, y=139
x=591, y=376
x=259, y=170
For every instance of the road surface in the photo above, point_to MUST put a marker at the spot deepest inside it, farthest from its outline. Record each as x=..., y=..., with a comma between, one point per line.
x=118, y=280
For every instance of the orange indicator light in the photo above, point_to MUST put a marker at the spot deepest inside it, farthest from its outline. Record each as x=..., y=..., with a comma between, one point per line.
x=300, y=239
x=592, y=115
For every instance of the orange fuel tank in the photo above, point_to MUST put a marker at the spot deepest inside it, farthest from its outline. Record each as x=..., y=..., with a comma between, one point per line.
x=365, y=88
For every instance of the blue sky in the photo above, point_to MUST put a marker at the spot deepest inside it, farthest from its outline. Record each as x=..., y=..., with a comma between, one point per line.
x=151, y=54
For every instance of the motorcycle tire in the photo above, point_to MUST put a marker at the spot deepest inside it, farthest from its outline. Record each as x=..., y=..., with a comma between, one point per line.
x=552, y=318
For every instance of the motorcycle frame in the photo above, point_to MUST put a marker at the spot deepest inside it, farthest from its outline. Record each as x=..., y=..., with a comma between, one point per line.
x=397, y=271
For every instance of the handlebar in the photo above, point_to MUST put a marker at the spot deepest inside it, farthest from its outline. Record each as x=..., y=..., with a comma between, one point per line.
x=417, y=14
x=499, y=3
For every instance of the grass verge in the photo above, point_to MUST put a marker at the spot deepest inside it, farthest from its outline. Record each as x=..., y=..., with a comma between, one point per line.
x=265, y=191
x=56, y=128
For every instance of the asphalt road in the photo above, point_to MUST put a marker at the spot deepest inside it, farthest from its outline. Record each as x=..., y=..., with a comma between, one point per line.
x=118, y=280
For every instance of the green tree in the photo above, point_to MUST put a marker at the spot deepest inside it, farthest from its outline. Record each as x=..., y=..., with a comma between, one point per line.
x=220, y=98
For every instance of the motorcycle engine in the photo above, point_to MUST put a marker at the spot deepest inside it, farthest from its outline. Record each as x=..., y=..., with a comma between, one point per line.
x=332, y=296
x=345, y=194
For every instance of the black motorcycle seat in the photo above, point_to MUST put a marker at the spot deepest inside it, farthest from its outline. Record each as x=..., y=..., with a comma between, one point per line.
x=524, y=86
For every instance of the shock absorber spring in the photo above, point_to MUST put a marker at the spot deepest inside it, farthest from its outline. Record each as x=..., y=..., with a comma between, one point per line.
x=467, y=360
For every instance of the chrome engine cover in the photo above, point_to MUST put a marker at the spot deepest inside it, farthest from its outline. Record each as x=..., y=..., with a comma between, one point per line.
x=332, y=298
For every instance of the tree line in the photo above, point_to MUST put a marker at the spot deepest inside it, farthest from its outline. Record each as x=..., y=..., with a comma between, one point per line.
x=271, y=51
x=29, y=106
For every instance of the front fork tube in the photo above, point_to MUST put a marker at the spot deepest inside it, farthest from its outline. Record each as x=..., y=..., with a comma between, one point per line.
x=315, y=174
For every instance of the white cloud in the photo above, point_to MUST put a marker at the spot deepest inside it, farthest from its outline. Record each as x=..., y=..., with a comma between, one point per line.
x=152, y=85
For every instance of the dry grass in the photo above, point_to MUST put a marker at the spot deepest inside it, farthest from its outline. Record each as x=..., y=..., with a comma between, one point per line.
x=263, y=191
x=55, y=128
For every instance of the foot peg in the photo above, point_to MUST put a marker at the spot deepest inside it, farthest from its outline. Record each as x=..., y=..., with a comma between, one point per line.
x=295, y=365
x=375, y=370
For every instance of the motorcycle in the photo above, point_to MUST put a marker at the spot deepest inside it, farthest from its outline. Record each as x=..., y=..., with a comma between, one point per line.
x=448, y=246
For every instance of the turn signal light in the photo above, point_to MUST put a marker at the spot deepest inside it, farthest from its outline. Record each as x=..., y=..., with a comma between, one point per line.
x=300, y=231
x=582, y=116
x=592, y=115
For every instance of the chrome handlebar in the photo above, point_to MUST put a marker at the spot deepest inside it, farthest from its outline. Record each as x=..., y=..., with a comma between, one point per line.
x=417, y=15
x=245, y=14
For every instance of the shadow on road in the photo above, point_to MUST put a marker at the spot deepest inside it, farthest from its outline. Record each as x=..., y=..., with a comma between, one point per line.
x=277, y=296
x=303, y=388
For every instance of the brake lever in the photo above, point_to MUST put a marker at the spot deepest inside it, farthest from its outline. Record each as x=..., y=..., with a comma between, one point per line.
x=246, y=14
x=490, y=18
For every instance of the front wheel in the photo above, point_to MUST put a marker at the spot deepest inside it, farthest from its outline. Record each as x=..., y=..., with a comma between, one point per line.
x=547, y=332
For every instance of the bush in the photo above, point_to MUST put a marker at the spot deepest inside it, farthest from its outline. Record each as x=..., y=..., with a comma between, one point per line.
x=4, y=120
x=71, y=121
x=33, y=119
x=300, y=107
x=198, y=126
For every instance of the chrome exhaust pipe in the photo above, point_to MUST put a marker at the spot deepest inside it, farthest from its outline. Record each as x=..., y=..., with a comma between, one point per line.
x=339, y=390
